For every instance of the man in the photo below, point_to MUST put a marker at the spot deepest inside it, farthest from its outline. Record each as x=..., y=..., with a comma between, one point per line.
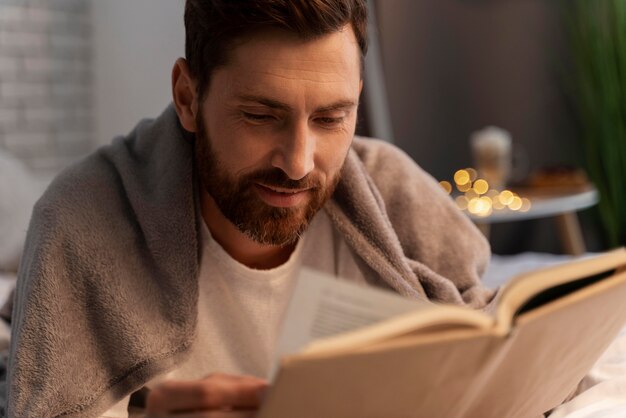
x=166, y=260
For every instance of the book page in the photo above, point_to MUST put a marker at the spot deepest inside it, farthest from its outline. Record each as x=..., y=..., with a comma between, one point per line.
x=322, y=306
x=561, y=279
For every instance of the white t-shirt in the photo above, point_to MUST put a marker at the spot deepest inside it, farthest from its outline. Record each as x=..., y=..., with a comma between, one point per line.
x=241, y=310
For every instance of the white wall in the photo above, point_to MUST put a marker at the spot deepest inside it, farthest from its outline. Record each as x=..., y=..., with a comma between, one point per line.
x=45, y=82
x=135, y=45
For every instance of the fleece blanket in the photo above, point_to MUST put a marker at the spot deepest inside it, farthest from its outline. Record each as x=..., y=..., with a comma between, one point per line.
x=107, y=286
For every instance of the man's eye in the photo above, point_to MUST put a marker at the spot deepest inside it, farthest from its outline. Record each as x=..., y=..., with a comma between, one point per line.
x=330, y=121
x=257, y=117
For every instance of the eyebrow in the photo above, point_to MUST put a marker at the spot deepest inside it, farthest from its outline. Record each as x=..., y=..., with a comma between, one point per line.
x=275, y=104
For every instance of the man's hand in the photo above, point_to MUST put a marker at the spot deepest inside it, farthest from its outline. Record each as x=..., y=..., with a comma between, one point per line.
x=213, y=393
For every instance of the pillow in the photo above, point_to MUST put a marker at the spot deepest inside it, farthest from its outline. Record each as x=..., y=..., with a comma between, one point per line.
x=19, y=190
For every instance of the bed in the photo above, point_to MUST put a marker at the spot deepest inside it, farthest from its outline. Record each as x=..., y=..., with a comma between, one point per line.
x=601, y=394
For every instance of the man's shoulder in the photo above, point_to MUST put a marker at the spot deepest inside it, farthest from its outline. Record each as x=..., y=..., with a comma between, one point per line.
x=101, y=179
x=372, y=148
x=413, y=198
x=386, y=162
x=81, y=191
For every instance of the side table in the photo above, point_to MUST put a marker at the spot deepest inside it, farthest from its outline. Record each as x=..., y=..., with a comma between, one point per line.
x=561, y=203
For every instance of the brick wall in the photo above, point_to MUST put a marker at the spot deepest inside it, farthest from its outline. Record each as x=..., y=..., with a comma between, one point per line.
x=45, y=81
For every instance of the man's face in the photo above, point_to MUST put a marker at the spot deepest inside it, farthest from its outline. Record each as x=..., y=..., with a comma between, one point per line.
x=275, y=128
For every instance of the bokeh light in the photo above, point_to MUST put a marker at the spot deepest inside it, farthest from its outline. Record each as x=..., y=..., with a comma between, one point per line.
x=471, y=194
x=473, y=174
x=481, y=186
x=446, y=186
x=506, y=197
x=516, y=203
x=480, y=206
x=474, y=195
x=497, y=205
x=464, y=187
x=461, y=177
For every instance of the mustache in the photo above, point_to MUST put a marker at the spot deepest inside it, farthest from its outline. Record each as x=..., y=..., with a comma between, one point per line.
x=278, y=178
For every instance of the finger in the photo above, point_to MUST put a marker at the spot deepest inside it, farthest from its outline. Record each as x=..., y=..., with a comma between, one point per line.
x=214, y=392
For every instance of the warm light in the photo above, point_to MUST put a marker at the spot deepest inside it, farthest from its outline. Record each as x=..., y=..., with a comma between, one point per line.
x=487, y=212
x=461, y=177
x=481, y=186
x=497, y=205
x=464, y=187
x=478, y=199
x=526, y=205
x=506, y=197
x=516, y=203
x=487, y=206
x=462, y=202
x=480, y=206
x=493, y=194
x=473, y=174
x=471, y=194
x=446, y=186
x=474, y=206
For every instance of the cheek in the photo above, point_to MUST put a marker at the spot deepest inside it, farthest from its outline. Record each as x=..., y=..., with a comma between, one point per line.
x=237, y=150
x=332, y=154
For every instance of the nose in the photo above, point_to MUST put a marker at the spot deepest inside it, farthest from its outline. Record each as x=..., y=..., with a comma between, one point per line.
x=295, y=156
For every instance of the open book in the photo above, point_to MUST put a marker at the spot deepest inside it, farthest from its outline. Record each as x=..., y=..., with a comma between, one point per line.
x=354, y=351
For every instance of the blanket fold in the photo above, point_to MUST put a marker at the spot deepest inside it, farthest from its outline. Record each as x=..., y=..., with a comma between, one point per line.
x=107, y=288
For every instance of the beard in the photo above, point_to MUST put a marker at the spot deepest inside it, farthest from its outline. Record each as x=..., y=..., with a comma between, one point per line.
x=238, y=201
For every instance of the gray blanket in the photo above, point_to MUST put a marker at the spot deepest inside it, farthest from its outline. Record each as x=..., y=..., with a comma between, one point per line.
x=107, y=288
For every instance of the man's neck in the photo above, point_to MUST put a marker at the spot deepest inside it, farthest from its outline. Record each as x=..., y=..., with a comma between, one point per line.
x=237, y=244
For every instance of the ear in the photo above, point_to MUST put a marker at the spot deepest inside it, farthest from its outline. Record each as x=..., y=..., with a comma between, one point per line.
x=184, y=95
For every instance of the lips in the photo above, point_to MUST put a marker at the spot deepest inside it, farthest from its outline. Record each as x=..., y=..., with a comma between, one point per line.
x=281, y=197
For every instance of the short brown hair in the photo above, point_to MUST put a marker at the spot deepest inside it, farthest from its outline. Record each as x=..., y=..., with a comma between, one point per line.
x=211, y=26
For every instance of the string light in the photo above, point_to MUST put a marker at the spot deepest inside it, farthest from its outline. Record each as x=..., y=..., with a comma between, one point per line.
x=461, y=177
x=473, y=174
x=471, y=194
x=446, y=186
x=464, y=187
x=506, y=197
x=478, y=199
x=497, y=205
x=516, y=203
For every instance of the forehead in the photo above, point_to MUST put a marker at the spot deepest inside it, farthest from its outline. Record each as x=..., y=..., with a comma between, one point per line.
x=280, y=61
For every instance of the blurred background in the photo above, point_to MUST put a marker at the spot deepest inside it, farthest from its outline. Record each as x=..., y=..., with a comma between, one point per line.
x=76, y=73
